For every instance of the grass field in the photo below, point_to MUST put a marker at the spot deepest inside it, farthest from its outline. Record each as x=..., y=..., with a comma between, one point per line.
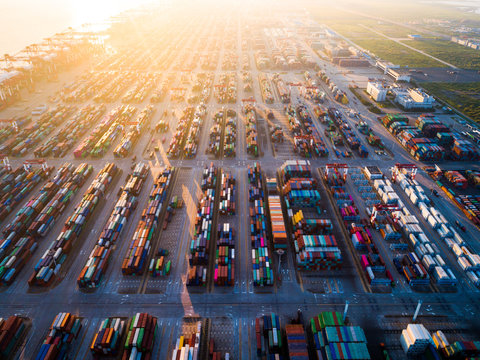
x=397, y=54
x=462, y=96
x=448, y=51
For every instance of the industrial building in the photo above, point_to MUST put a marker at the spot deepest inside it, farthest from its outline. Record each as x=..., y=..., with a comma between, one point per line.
x=413, y=98
x=377, y=90
x=395, y=71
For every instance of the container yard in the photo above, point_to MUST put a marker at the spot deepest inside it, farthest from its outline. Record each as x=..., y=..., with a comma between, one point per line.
x=200, y=182
x=47, y=269
x=140, y=245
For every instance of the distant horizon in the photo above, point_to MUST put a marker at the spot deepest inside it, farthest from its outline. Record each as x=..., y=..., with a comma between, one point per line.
x=51, y=17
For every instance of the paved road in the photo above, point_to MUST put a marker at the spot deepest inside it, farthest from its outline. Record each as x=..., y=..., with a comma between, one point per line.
x=408, y=46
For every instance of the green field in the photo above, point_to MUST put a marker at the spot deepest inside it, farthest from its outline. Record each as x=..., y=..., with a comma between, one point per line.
x=450, y=52
x=397, y=54
x=462, y=96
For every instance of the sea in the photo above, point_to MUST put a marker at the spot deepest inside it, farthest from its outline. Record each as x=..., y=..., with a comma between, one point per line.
x=24, y=22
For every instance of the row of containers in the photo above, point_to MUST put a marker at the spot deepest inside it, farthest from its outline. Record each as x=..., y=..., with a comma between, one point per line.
x=467, y=259
x=226, y=89
x=224, y=124
x=362, y=238
x=30, y=135
x=199, y=248
x=327, y=337
x=225, y=250
x=47, y=269
x=143, y=239
x=132, y=132
x=195, y=342
x=315, y=247
x=94, y=269
x=215, y=134
x=16, y=185
x=187, y=133
x=105, y=132
x=265, y=89
x=127, y=339
x=261, y=261
x=338, y=94
x=75, y=128
x=429, y=139
x=348, y=134
x=282, y=89
x=251, y=129
x=12, y=333
x=306, y=138
x=418, y=342
x=34, y=220
x=468, y=203
x=421, y=260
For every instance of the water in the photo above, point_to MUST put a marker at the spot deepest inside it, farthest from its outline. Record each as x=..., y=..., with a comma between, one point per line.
x=23, y=22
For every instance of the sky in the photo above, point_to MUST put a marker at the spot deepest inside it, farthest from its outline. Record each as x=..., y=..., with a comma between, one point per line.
x=23, y=22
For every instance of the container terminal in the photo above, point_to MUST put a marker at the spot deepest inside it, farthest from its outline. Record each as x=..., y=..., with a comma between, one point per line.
x=194, y=183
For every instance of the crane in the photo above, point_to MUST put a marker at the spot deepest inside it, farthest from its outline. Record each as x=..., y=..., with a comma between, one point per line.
x=335, y=166
x=27, y=164
x=381, y=207
x=398, y=167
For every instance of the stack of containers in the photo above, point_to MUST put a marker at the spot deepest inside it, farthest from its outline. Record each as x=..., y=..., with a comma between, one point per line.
x=178, y=138
x=317, y=252
x=159, y=267
x=142, y=331
x=462, y=350
x=193, y=137
x=229, y=143
x=77, y=127
x=227, y=194
x=251, y=129
x=215, y=134
x=71, y=131
x=262, y=269
x=48, y=122
x=46, y=219
x=135, y=258
x=130, y=136
x=225, y=256
x=346, y=205
x=84, y=148
x=415, y=339
x=188, y=346
x=107, y=339
x=200, y=244
x=63, y=331
x=15, y=186
x=296, y=342
x=16, y=248
x=49, y=265
x=11, y=333
x=315, y=249
x=279, y=234
x=427, y=251
x=333, y=340
x=97, y=263
x=106, y=139
x=269, y=336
